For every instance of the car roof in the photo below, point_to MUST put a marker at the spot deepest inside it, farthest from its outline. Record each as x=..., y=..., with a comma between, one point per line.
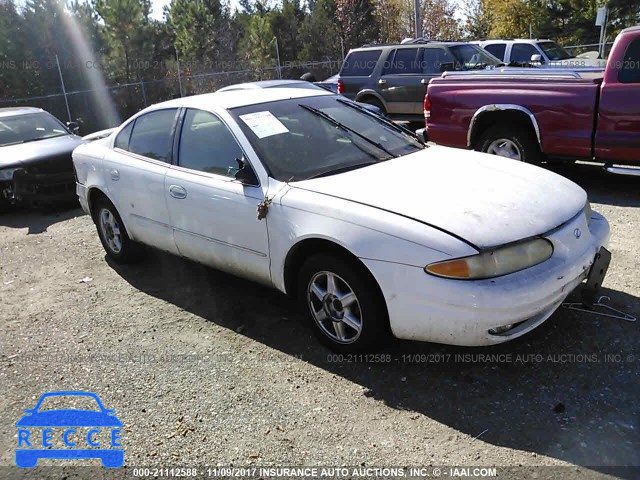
x=283, y=83
x=12, y=111
x=506, y=40
x=406, y=45
x=239, y=98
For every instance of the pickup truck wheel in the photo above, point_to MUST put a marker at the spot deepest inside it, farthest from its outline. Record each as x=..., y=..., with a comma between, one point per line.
x=113, y=235
x=509, y=142
x=343, y=304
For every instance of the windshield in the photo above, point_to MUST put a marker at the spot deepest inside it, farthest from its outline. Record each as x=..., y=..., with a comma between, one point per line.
x=554, y=51
x=471, y=57
x=29, y=127
x=308, y=137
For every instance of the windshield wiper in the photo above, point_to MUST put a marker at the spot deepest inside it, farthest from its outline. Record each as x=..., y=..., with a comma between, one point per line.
x=343, y=127
x=382, y=120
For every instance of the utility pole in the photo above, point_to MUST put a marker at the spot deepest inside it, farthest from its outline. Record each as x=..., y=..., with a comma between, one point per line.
x=179, y=75
x=418, y=25
x=278, y=57
x=64, y=90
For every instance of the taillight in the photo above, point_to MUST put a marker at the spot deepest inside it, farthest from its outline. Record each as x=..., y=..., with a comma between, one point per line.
x=427, y=107
x=340, y=86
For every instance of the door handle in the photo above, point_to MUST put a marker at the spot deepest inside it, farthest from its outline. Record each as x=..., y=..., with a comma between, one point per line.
x=382, y=82
x=115, y=175
x=176, y=191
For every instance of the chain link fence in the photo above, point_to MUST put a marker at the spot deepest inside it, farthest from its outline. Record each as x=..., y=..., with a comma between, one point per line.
x=87, y=107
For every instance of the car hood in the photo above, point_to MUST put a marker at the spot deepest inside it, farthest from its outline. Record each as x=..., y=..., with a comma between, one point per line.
x=48, y=151
x=483, y=199
x=69, y=418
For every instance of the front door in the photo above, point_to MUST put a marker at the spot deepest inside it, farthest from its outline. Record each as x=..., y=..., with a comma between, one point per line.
x=213, y=216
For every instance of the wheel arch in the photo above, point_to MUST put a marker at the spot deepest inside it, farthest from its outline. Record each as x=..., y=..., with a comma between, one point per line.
x=363, y=94
x=94, y=194
x=307, y=247
x=495, y=114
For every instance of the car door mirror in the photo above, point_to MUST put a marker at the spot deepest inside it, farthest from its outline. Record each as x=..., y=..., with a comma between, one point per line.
x=421, y=135
x=73, y=127
x=537, y=58
x=445, y=67
x=245, y=173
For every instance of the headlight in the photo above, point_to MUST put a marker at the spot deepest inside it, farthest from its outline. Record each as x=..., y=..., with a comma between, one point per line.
x=587, y=212
x=7, y=174
x=494, y=263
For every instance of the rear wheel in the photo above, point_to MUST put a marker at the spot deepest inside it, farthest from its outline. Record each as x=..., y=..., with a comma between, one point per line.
x=113, y=235
x=376, y=103
x=516, y=143
x=343, y=304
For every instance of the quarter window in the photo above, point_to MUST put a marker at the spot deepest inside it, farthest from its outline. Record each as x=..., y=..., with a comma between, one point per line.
x=152, y=135
x=360, y=64
x=207, y=145
x=630, y=71
x=122, y=140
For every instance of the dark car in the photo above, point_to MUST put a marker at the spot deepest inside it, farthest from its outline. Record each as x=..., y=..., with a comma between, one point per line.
x=35, y=158
x=394, y=77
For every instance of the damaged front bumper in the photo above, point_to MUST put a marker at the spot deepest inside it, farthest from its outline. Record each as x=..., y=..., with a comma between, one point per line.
x=40, y=189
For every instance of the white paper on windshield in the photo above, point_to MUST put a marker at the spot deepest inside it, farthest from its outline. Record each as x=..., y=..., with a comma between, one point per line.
x=264, y=124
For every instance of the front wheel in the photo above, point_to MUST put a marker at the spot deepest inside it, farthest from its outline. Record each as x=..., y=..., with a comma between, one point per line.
x=343, y=304
x=113, y=235
x=510, y=142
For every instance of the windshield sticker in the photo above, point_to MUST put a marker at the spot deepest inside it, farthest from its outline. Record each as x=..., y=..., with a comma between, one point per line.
x=264, y=124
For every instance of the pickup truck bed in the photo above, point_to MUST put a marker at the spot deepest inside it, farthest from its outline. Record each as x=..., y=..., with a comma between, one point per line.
x=533, y=115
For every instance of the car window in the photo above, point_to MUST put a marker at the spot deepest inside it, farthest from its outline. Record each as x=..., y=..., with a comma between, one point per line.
x=29, y=128
x=360, y=63
x=403, y=61
x=122, y=140
x=299, y=138
x=435, y=60
x=553, y=51
x=152, y=135
x=521, y=52
x=207, y=145
x=497, y=50
x=630, y=71
x=471, y=57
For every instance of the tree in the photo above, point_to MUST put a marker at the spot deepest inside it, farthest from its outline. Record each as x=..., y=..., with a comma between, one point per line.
x=395, y=18
x=319, y=35
x=259, y=45
x=357, y=22
x=438, y=20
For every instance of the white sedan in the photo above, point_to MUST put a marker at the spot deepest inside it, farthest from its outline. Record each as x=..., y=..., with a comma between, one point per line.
x=373, y=232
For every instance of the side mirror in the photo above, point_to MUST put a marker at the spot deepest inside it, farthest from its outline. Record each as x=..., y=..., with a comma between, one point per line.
x=245, y=173
x=73, y=127
x=445, y=67
x=421, y=135
x=537, y=58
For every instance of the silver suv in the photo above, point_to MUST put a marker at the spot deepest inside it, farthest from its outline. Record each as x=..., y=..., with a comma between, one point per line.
x=394, y=77
x=536, y=52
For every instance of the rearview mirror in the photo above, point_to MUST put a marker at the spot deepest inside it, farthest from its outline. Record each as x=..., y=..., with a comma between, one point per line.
x=245, y=173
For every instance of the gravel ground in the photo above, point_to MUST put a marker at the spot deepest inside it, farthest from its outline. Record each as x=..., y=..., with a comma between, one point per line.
x=207, y=369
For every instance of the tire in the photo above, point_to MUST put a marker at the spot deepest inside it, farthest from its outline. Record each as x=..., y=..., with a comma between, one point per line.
x=113, y=235
x=359, y=326
x=515, y=142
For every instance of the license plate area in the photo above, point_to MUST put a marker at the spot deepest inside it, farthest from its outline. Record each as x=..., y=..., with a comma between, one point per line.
x=596, y=276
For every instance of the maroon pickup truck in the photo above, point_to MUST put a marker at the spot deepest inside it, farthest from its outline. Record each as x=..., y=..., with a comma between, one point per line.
x=545, y=114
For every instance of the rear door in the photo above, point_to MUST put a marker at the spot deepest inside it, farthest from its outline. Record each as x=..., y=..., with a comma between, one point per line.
x=357, y=69
x=134, y=174
x=401, y=81
x=618, y=128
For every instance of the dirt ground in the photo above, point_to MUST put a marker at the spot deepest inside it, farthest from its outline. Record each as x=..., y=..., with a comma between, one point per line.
x=206, y=369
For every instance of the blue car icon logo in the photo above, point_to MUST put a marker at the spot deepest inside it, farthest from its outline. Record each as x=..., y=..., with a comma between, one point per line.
x=70, y=420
